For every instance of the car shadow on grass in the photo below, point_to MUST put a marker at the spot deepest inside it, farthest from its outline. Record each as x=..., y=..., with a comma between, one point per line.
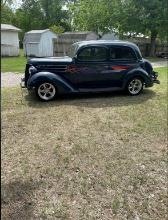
x=16, y=199
x=96, y=100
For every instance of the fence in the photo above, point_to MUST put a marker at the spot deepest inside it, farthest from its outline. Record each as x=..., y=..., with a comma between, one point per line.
x=65, y=40
x=145, y=48
x=61, y=46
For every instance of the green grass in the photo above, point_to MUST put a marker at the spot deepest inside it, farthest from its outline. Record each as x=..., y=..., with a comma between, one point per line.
x=13, y=64
x=87, y=157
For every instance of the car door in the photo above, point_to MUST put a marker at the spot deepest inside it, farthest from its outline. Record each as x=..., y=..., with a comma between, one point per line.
x=91, y=67
x=121, y=60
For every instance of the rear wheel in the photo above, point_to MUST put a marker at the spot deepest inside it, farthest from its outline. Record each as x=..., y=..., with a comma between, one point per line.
x=135, y=86
x=46, y=91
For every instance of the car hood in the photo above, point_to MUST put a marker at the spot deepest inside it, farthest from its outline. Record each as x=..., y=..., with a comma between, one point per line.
x=50, y=60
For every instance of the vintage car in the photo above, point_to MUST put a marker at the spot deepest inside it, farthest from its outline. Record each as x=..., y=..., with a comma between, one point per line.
x=90, y=66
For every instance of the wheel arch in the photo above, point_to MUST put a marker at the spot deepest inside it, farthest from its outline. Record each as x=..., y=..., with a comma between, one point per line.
x=61, y=85
x=139, y=73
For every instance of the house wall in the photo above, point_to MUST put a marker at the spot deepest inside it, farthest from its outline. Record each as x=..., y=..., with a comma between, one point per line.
x=9, y=43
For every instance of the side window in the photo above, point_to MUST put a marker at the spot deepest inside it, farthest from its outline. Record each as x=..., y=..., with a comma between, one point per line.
x=93, y=54
x=85, y=54
x=99, y=53
x=122, y=53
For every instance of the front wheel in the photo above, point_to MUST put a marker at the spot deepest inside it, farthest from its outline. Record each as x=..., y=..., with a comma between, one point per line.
x=135, y=86
x=46, y=91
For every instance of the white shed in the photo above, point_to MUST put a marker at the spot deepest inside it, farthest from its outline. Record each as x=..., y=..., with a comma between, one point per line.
x=9, y=40
x=39, y=43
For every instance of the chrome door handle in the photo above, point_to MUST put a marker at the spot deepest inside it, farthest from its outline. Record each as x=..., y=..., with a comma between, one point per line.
x=106, y=66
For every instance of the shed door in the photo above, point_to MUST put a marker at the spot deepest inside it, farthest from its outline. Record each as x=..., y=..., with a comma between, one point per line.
x=32, y=49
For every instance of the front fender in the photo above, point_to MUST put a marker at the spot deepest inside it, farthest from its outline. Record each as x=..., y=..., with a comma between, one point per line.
x=40, y=77
x=139, y=72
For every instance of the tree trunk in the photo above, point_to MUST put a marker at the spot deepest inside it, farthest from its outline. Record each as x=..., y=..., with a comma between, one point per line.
x=153, y=43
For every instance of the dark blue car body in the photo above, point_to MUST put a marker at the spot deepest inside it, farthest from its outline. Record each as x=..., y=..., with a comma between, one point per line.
x=94, y=66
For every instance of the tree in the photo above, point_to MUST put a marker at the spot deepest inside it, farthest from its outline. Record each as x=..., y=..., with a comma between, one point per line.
x=40, y=14
x=57, y=29
x=138, y=16
x=37, y=14
x=53, y=14
x=6, y=3
x=29, y=15
x=6, y=12
x=7, y=15
x=91, y=15
x=147, y=17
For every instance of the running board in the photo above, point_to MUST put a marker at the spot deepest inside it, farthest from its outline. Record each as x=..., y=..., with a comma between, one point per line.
x=110, y=89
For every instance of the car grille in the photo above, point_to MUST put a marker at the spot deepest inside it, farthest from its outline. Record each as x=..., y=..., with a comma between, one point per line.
x=55, y=68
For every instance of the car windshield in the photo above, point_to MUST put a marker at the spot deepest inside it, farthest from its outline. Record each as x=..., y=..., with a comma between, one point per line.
x=139, y=55
x=72, y=50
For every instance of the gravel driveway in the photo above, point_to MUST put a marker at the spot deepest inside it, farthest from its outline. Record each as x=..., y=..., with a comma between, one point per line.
x=160, y=64
x=10, y=79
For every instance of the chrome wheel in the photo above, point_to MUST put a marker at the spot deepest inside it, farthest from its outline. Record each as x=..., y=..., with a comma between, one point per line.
x=135, y=86
x=46, y=91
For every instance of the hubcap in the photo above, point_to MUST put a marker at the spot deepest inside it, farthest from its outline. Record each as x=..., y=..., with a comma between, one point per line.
x=46, y=91
x=135, y=86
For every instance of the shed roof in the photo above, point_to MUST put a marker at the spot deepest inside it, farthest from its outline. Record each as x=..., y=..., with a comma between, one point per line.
x=37, y=31
x=34, y=36
x=9, y=27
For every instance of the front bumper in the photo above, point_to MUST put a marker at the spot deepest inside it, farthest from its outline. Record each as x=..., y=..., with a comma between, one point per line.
x=156, y=81
x=154, y=77
x=22, y=83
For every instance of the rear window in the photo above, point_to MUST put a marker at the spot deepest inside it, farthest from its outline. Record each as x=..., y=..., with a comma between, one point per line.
x=122, y=53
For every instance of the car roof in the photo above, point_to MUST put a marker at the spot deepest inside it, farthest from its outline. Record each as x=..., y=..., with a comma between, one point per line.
x=106, y=42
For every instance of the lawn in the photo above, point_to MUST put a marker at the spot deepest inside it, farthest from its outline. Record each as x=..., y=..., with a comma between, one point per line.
x=86, y=157
x=13, y=64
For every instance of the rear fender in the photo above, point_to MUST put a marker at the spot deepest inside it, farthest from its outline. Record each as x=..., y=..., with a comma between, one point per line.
x=137, y=73
x=40, y=77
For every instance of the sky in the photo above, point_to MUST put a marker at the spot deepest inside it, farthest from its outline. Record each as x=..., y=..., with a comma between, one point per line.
x=16, y=4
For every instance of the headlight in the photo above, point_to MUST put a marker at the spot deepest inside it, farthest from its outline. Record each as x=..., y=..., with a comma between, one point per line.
x=32, y=70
